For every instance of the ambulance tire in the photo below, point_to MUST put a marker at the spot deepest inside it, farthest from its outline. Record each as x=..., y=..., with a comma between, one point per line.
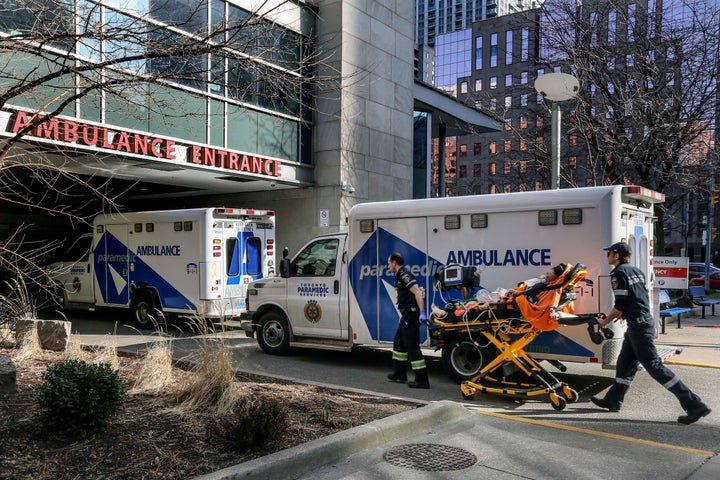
x=463, y=359
x=143, y=313
x=273, y=334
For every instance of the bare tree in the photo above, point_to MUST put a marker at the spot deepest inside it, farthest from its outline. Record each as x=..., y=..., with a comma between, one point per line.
x=649, y=94
x=75, y=59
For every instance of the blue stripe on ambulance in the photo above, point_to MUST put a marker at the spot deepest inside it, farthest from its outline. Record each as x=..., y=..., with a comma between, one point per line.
x=115, y=288
x=372, y=291
x=558, y=344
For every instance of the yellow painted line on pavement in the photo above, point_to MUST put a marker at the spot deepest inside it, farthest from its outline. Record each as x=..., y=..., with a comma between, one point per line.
x=614, y=436
x=691, y=364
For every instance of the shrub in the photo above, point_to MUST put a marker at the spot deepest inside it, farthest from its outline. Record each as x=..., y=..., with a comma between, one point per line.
x=77, y=397
x=254, y=421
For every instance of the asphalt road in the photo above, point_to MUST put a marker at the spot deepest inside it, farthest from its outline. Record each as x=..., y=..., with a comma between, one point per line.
x=649, y=413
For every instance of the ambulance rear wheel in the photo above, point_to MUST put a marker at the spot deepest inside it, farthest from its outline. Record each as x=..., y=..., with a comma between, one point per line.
x=273, y=334
x=143, y=312
x=463, y=359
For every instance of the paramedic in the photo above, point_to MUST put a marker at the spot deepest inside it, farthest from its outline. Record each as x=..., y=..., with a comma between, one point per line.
x=406, y=346
x=632, y=304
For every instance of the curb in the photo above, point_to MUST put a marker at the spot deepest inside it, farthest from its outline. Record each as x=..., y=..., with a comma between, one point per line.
x=302, y=459
x=709, y=470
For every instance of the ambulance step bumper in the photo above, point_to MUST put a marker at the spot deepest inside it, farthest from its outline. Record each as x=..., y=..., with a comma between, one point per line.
x=228, y=325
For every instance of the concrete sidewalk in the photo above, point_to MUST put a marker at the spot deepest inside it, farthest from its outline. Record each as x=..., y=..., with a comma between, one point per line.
x=444, y=440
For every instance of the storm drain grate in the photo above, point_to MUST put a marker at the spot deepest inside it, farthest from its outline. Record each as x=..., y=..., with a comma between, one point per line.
x=429, y=457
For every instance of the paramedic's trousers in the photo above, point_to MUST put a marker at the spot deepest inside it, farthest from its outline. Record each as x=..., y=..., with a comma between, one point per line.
x=639, y=348
x=406, y=347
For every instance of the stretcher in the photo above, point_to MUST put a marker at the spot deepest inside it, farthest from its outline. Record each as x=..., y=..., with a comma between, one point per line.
x=502, y=329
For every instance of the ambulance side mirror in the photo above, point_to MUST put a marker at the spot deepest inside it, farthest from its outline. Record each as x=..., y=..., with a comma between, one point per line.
x=285, y=264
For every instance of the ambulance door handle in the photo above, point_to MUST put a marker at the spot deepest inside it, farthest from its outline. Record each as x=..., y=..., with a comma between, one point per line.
x=88, y=268
x=336, y=287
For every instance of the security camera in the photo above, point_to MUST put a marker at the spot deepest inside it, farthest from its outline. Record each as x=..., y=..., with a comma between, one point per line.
x=272, y=184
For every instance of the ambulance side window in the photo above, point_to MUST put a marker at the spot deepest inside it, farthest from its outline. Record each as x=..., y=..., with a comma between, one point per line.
x=317, y=259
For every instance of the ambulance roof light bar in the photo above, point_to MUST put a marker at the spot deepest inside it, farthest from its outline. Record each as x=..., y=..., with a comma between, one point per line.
x=242, y=211
x=644, y=194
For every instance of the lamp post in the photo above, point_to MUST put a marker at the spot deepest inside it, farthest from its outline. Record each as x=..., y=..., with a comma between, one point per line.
x=556, y=87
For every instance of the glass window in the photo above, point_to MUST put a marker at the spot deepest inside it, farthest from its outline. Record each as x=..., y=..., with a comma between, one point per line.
x=508, y=80
x=493, y=83
x=477, y=148
x=524, y=44
x=188, y=15
x=493, y=49
x=508, y=146
x=477, y=169
x=253, y=253
x=478, y=85
x=508, y=47
x=478, y=53
x=317, y=259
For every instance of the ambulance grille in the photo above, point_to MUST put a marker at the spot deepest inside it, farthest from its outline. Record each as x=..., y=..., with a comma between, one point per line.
x=429, y=457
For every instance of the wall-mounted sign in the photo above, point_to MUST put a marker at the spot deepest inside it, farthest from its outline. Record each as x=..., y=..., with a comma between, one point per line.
x=101, y=137
x=324, y=218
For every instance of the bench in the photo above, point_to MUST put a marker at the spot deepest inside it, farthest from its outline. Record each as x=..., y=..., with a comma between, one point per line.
x=669, y=311
x=699, y=292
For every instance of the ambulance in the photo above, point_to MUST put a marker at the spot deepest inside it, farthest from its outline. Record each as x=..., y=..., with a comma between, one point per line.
x=337, y=291
x=194, y=262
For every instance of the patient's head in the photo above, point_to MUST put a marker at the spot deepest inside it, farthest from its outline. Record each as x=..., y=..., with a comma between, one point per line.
x=555, y=272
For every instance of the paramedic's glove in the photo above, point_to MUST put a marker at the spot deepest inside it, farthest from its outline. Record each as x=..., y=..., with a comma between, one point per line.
x=423, y=316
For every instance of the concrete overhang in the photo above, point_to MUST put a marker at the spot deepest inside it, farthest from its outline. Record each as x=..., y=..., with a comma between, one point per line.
x=459, y=119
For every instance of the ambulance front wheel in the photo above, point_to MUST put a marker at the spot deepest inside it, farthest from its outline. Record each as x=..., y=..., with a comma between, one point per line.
x=273, y=334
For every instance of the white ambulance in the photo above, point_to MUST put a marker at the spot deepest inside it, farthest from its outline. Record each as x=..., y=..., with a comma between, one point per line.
x=337, y=292
x=180, y=262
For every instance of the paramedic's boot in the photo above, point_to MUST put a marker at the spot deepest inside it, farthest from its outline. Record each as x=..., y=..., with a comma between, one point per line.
x=421, y=379
x=398, y=374
x=602, y=403
x=695, y=414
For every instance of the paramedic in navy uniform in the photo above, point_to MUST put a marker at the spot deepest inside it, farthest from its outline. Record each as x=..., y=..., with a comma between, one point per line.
x=406, y=346
x=633, y=305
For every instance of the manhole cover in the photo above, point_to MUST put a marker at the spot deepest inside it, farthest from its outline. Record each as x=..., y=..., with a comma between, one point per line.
x=429, y=457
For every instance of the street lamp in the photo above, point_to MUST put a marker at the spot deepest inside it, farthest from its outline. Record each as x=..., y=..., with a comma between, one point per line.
x=556, y=87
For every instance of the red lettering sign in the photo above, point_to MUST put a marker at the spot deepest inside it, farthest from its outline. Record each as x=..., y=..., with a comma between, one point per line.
x=70, y=131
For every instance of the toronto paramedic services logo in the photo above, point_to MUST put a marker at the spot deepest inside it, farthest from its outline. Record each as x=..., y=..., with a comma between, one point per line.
x=312, y=311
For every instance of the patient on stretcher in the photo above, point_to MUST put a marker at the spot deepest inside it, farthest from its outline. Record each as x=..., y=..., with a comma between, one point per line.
x=533, y=300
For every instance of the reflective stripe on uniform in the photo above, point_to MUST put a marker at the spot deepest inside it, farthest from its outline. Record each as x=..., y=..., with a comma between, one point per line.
x=418, y=364
x=399, y=356
x=623, y=381
x=671, y=382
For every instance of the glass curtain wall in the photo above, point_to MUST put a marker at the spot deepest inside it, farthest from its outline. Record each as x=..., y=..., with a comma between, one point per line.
x=254, y=94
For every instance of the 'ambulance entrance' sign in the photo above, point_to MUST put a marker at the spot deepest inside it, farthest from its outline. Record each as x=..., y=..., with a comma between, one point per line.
x=671, y=272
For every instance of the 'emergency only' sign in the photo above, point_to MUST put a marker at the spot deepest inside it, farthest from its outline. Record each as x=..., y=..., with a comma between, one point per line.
x=671, y=272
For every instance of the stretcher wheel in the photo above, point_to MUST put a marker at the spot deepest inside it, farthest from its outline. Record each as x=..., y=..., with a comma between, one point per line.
x=571, y=395
x=558, y=402
x=468, y=392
